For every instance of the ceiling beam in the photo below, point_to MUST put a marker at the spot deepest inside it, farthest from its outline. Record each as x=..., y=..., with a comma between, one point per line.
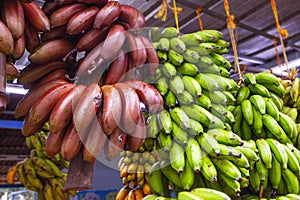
x=9, y=157
x=253, y=60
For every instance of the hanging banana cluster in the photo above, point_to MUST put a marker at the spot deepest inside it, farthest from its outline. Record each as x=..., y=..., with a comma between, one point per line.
x=41, y=173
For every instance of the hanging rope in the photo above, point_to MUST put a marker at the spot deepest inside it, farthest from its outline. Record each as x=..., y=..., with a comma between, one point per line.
x=162, y=13
x=231, y=27
x=198, y=11
x=282, y=33
x=176, y=16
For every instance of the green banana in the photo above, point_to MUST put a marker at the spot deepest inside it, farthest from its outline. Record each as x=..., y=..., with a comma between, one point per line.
x=224, y=72
x=267, y=78
x=282, y=187
x=55, y=170
x=181, y=118
x=170, y=173
x=238, y=161
x=209, y=47
x=153, y=126
x=193, y=154
x=155, y=34
x=238, y=116
x=291, y=180
x=186, y=98
x=192, y=85
x=162, y=56
x=257, y=123
x=196, y=128
x=272, y=109
x=185, y=195
x=176, y=85
x=34, y=181
x=260, y=90
x=179, y=134
x=293, y=196
x=188, y=69
x=288, y=125
x=248, y=153
x=279, y=152
x=49, y=194
x=228, y=151
x=295, y=151
x=207, y=82
x=225, y=137
x=293, y=163
x=262, y=170
x=201, y=51
x=294, y=93
x=191, y=56
x=187, y=177
x=168, y=70
x=199, y=114
x=217, y=97
x=191, y=39
x=209, y=35
x=275, y=173
x=223, y=83
x=277, y=100
x=170, y=99
x=155, y=180
x=231, y=183
x=164, y=140
x=164, y=44
x=254, y=180
x=175, y=58
x=220, y=61
x=29, y=167
x=264, y=152
x=208, y=169
x=178, y=45
x=247, y=111
x=249, y=78
x=245, y=172
x=165, y=121
x=243, y=94
x=204, y=101
x=169, y=32
x=293, y=113
x=278, y=90
x=210, y=194
x=208, y=143
x=177, y=157
x=259, y=103
x=271, y=124
x=162, y=85
x=230, y=98
x=227, y=168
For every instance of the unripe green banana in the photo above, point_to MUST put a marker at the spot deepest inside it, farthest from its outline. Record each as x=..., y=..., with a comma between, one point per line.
x=245, y=172
x=162, y=85
x=188, y=69
x=247, y=111
x=179, y=134
x=170, y=99
x=54, y=168
x=282, y=187
x=49, y=194
x=278, y=90
x=293, y=196
x=34, y=181
x=291, y=180
x=288, y=126
x=238, y=116
x=208, y=169
x=204, y=101
x=164, y=140
x=162, y=56
x=293, y=113
x=193, y=154
x=28, y=167
x=230, y=98
x=169, y=32
x=209, y=47
x=191, y=56
x=191, y=39
x=243, y=94
x=293, y=163
x=209, y=194
x=176, y=85
x=277, y=100
x=254, y=180
x=155, y=180
x=170, y=173
x=259, y=103
x=165, y=121
x=295, y=89
x=259, y=90
x=267, y=78
x=227, y=168
x=238, y=162
x=177, y=157
x=186, y=98
x=229, y=151
x=220, y=61
x=248, y=153
x=187, y=177
x=181, y=118
x=208, y=143
x=264, y=152
x=217, y=97
x=200, y=50
x=175, y=58
x=209, y=35
x=278, y=151
x=249, y=78
x=262, y=171
x=272, y=109
x=223, y=82
x=207, y=82
x=164, y=44
x=199, y=114
x=257, y=123
x=225, y=137
x=230, y=182
x=295, y=151
x=153, y=126
x=185, y=195
x=169, y=70
x=196, y=127
x=155, y=34
x=271, y=124
x=192, y=85
x=275, y=173
x=178, y=45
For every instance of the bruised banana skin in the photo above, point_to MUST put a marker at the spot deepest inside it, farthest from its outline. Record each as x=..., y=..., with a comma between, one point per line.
x=62, y=112
x=111, y=110
x=62, y=15
x=36, y=16
x=87, y=107
x=29, y=99
x=13, y=17
x=41, y=110
x=107, y=15
x=82, y=20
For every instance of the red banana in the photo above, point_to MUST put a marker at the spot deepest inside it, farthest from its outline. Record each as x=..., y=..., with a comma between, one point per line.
x=50, y=51
x=6, y=40
x=11, y=71
x=131, y=108
x=19, y=47
x=82, y=20
x=32, y=38
x=117, y=69
x=115, y=144
x=94, y=143
x=33, y=72
x=132, y=16
x=63, y=2
x=148, y=94
x=62, y=15
x=142, y=53
x=152, y=58
x=62, y=112
x=91, y=39
x=87, y=107
x=13, y=17
x=71, y=143
x=108, y=14
x=50, y=6
x=132, y=47
x=36, y=16
x=97, y=2
x=136, y=139
x=28, y=100
x=54, y=142
x=54, y=33
x=43, y=106
x=111, y=109
x=28, y=129
x=58, y=74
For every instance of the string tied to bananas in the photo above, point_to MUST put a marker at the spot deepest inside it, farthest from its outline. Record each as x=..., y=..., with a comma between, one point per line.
x=162, y=13
x=198, y=12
